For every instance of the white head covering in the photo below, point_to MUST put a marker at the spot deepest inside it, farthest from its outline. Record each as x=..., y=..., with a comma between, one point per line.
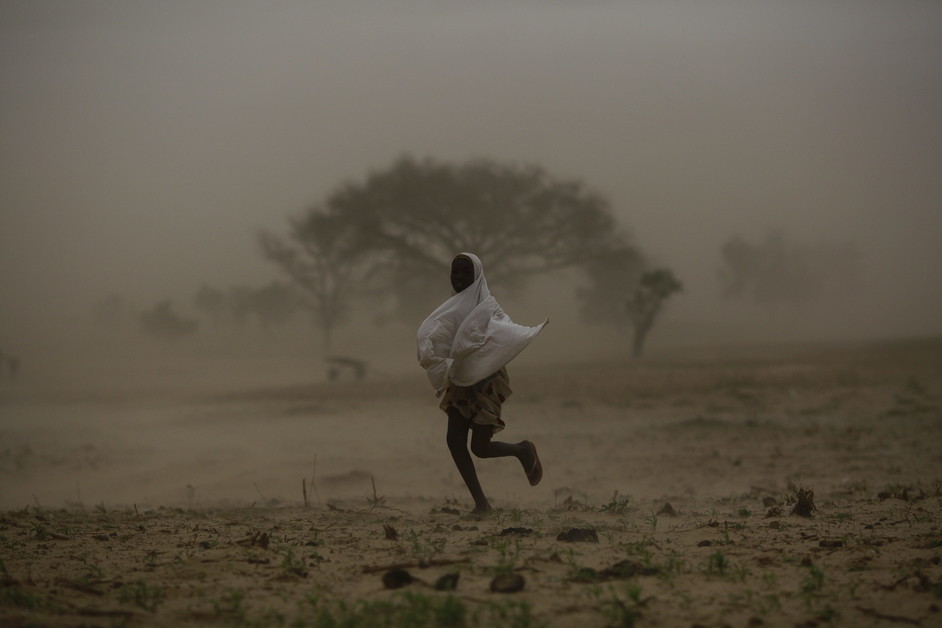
x=469, y=337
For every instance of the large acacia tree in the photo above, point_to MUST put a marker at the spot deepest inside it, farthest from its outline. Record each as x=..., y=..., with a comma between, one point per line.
x=404, y=224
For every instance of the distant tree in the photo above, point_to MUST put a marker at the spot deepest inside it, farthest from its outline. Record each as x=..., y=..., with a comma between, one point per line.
x=326, y=259
x=162, y=322
x=271, y=305
x=653, y=289
x=776, y=271
x=402, y=226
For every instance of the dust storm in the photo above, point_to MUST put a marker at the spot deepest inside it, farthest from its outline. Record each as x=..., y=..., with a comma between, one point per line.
x=166, y=409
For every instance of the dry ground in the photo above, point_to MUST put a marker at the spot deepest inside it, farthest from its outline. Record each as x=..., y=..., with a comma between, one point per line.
x=665, y=501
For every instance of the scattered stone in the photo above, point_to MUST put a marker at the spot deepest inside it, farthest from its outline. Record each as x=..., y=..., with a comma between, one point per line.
x=397, y=578
x=507, y=583
x=579, y=535
x=704, y=543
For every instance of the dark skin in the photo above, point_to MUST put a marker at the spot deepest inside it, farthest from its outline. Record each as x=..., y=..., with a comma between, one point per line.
x=462, y=276
x=462, y=273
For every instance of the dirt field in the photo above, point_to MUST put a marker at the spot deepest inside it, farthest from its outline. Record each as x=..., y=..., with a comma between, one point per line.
x=667, y=499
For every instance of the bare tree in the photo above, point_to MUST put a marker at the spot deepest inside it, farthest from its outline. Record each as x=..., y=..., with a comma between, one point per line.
x=647, y=302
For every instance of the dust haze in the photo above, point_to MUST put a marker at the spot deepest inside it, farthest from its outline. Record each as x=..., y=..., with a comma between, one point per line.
x=145, y=144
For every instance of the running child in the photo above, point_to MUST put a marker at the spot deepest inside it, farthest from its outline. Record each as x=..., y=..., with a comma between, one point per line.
x=464, y=346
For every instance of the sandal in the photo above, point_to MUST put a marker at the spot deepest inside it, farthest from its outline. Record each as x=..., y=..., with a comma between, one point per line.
x=535, y=474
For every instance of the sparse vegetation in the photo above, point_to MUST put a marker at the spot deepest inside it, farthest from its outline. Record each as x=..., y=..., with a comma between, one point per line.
x=868, y=555
x=418, y=610
x=142, y=594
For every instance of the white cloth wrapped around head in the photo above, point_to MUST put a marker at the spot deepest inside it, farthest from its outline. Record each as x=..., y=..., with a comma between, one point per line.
x=469, y=337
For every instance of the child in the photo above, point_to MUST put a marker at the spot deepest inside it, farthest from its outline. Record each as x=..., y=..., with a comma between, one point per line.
x=464, y=346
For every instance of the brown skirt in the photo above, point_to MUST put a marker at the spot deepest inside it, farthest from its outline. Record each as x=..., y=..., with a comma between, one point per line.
x=480, y=402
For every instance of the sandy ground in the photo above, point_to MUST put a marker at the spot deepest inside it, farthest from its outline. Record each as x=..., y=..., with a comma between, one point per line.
x=666, y=499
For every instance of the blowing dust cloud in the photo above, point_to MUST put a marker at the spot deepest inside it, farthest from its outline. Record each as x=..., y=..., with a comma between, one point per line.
x=222, y=223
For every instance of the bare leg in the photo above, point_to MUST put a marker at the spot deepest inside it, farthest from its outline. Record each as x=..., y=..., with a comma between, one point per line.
x=457, y=438
x=483, y=447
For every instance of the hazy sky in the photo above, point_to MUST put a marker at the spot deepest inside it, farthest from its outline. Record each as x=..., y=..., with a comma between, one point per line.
x=143, y=143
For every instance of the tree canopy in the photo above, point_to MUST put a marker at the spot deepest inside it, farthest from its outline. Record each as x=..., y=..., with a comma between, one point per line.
x=519, y=218
x=400, y=228
x=654, y=288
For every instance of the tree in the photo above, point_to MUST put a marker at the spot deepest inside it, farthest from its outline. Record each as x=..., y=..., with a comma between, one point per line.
x=272, y=305
x=520, y=219
x=162, y=322
x=401, y=227
x=653, y=290
x=326, y=260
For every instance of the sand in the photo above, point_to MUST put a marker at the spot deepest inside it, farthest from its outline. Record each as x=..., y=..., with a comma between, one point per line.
x=667, y=500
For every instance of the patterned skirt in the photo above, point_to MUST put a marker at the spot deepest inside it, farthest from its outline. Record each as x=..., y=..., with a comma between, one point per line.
x=480, y=402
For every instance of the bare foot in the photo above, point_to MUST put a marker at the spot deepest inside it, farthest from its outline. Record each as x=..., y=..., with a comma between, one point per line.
x=480, y=512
